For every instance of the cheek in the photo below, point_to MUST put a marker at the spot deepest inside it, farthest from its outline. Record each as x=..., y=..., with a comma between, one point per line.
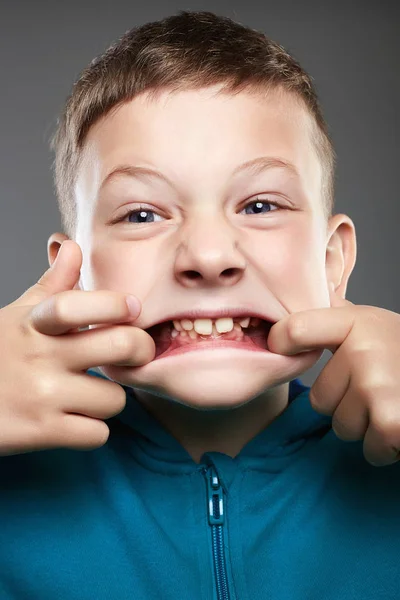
x=294, y=267
x=308, y=269
x=306, y=246
x=126, y=269
x=286, y=252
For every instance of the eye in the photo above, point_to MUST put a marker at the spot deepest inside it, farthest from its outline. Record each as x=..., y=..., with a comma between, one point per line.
x=258, y=204
x=143, y=213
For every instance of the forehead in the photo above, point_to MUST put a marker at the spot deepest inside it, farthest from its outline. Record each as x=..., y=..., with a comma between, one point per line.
x=201, y=134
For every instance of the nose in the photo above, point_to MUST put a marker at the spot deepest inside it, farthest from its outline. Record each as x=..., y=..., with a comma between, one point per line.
x=209, y=256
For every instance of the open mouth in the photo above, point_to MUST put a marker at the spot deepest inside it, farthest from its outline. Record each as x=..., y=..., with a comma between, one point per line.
x=245, y=331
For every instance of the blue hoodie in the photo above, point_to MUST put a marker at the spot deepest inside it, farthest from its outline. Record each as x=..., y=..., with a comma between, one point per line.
x=298, y=515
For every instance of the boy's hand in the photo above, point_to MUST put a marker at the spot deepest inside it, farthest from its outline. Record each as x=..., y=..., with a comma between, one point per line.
x=360, y=384
x=47, y=400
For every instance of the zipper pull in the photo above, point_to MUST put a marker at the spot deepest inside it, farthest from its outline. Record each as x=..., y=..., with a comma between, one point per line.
x=216, y=512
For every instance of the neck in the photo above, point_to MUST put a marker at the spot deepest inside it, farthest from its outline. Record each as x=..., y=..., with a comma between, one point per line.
x=222, y=430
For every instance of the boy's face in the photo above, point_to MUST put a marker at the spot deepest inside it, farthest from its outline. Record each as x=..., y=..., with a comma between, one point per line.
x=201, y=247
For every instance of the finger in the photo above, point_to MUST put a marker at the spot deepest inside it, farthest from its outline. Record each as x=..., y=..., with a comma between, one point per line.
x=78, y=422
x=93, y=397
x=331, y=385
x=80, y=433
x=304, y=331
x=73, y=309
x=382, y=440
x=62, y=275
x=350, y=420
x=120, y=345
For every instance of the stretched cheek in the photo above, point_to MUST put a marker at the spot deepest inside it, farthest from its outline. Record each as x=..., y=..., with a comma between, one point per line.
x=113, y=270
x=311, y=273
x=286, y=261
x=292, y=270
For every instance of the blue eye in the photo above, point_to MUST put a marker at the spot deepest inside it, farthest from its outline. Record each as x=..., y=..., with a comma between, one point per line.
x=259, y=203
x=142, y=213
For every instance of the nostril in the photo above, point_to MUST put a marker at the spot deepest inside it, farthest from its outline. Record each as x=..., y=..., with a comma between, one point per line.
x=231, y=273
x=192, y=275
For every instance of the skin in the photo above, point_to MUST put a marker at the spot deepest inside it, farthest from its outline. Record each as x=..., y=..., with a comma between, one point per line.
x=279, y=261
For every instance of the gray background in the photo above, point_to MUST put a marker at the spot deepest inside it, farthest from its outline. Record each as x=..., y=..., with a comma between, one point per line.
x=350, y=49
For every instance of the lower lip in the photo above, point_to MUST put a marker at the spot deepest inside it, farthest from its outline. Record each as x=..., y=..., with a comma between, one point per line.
x=217, y=344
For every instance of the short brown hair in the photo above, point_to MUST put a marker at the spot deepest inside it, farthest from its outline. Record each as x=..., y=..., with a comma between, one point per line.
x=189, y=50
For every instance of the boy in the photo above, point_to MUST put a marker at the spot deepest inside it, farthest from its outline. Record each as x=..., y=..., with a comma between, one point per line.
x=214, y=477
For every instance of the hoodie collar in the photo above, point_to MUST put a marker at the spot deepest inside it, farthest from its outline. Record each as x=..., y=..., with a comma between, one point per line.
x=287, y=433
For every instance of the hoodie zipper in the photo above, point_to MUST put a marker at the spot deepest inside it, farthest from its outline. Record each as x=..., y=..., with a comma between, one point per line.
x=216, y=519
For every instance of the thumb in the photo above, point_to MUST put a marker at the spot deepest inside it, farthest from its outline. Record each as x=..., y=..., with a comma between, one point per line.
x=61, y=276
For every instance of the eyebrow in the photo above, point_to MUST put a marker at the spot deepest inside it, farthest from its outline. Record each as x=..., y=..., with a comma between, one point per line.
x=254, y=166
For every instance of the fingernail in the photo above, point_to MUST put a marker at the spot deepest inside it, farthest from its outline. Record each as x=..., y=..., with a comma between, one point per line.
x=133, y=305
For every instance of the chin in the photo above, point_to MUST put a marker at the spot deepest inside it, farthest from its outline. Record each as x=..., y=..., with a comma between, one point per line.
x=217, y=393
x=214, y=379
x=214, y=388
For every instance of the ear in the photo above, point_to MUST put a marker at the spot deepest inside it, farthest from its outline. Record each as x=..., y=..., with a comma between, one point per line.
x=341, y=252
x=53, y=246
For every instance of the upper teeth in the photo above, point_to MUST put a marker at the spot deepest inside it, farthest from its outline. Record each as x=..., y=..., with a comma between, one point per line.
x=205, y=326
